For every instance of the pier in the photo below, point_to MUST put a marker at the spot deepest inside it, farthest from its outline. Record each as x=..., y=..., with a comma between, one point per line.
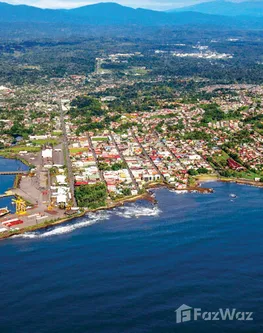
x=7, y=194
x=7, y=173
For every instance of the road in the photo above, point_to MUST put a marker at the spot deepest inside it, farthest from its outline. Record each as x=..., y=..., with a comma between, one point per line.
x=102, y=179
x=123, y=159
x=148, y=157
x=67, y=156
x=170, y=151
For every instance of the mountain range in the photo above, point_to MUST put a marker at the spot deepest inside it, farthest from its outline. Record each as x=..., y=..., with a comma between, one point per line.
x=227, y=8
x=209, y=14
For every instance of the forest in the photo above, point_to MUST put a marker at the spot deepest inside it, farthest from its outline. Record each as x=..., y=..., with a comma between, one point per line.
x=35, y=59
x=91, y=196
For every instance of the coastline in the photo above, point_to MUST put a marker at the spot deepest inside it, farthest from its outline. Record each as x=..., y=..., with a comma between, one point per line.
x=119, y=203
x=47, y=224
x=197, y=187
x=242, y=182
x=210, y=178
x=17, y=179
x=14, y=156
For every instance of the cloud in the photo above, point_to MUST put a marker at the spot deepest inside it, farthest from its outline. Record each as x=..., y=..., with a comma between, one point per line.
x=150, y=4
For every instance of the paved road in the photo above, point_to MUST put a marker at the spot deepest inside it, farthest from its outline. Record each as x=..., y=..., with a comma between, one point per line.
x=67, y=157
x=29, y=191
x=123, y=159
x=148, y=157
x=95, y=158
x=170, y=151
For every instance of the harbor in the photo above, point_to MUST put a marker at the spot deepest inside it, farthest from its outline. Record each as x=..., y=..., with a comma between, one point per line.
x=24, y=207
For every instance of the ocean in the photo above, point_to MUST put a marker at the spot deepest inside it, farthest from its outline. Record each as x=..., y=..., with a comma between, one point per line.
x=7, y=181
x=129, y=269
x=7, y=164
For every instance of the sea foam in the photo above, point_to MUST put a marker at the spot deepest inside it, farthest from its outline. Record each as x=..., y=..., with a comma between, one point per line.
x=86, y=221
x=127, y=212
x=134, y=210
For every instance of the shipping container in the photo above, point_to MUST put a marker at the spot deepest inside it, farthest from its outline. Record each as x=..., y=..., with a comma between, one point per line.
x=11, y=223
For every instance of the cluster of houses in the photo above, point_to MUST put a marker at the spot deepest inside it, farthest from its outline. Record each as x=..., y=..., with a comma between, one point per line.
x=84, y=163
x=138, y=162
x=160, y=147
x=98, y=159
x=251, y=153
x=228, y=124
x=36, y=106
x=128, y=162
x=164, y=144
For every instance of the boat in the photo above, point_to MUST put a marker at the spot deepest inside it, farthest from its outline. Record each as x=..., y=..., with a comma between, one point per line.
x=4, y=211
x=233, y=196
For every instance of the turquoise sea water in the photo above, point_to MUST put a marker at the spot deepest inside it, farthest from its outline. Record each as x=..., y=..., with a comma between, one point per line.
x=129, y=269
x=11, y=165
x=6, y=182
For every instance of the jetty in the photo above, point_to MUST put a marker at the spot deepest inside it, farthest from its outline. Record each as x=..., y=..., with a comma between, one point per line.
x=7, y=194
x=7, y=173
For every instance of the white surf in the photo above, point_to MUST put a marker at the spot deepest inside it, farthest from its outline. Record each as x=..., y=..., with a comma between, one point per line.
x=86, y=221
x=137, y=211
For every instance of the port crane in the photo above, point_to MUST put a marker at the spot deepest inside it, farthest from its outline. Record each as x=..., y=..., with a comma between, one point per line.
x=20, y=206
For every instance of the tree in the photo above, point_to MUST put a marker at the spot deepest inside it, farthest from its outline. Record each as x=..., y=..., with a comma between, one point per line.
x=192, y=172
x=126, y=192
x=91, y=196
x=86, y=106
x=202, y=170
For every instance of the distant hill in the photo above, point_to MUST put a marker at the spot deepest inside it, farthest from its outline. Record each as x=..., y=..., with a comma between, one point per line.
x=23, y=13
x=114, y=14
x=226, y=8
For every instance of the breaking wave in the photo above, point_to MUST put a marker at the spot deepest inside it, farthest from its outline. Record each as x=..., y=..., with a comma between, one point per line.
x=127, y=212
x=88, y=220
x=179, y=191
x=137, y=211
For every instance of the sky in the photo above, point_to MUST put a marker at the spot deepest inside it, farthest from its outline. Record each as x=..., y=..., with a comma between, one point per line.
x=150, y=4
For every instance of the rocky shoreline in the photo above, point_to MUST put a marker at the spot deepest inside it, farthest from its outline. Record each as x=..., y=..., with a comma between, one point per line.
x=145, y=196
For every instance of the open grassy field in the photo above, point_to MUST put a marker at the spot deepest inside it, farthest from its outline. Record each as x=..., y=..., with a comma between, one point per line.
x=17, y=149
x=77, y=150
x=221, y=158
x=44, y=142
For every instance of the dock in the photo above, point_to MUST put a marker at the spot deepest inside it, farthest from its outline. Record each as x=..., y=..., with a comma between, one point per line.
x=7, y=194
x=10, y=173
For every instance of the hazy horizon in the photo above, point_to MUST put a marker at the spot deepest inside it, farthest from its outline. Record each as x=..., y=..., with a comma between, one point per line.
x=147, y=4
